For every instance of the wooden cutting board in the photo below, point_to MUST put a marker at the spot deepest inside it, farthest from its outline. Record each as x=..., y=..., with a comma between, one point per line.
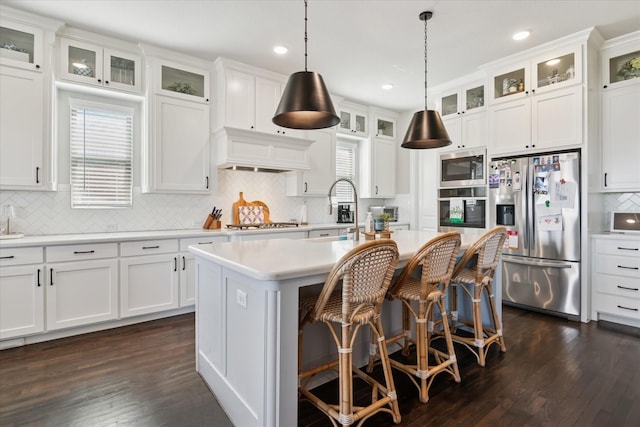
x=242, y=202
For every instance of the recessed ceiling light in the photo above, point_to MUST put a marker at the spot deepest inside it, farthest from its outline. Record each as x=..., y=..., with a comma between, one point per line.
x=553, y=61
x=280, y=50
x=387, y=86
x=521, y=35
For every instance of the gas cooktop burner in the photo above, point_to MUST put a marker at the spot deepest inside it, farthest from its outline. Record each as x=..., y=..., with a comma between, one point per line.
x=262, y=225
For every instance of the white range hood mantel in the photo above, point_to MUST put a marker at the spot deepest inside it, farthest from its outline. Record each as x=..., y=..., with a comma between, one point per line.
x=250, y=148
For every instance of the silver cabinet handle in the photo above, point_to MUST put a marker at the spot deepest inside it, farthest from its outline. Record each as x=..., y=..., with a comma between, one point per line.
x=538, y=264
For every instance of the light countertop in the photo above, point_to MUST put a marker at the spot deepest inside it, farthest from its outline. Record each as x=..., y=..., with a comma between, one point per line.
x=122, y=236
x=279, y=259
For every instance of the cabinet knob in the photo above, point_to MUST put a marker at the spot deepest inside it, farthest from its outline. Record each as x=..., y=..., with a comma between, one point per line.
x=38, y=67
x=605, y=86
x=251, y=127
x=526, y=92
x=207, y=99
x=99, y=80
x=106, y=82
x=526, y=146
x=533, y=91
x=459, y=113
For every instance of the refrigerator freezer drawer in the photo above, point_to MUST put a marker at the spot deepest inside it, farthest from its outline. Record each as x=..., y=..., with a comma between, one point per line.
x=542, y=284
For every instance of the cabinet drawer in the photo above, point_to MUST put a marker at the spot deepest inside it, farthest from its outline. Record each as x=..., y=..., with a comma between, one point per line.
x=185, y=243
x=18, y=256
x=81, y=252
x=324, y=233
x=616, y=305
x=618, y=247
x=618, y=265
x=617, y=285
x=148, y=247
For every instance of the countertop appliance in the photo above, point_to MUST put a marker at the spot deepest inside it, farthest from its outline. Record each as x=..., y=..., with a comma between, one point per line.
x=625, y=222
x=537, y=198
x=345, y=215
x=463, y=168
x=376, y=211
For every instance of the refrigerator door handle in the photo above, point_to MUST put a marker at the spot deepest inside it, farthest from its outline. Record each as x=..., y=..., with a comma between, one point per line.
x=538, y=263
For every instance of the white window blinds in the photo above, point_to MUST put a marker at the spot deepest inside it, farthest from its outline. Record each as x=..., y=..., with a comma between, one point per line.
x=345, y=168
x=101, y=156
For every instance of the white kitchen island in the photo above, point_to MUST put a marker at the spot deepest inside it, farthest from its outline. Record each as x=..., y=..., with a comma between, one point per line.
x=247, y=318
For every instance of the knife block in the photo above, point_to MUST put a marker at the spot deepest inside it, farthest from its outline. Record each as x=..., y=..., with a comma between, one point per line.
x=211, y=223
x=215, y=225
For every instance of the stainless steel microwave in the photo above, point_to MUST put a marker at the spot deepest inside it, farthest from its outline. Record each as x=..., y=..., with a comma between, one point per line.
x=464, y=168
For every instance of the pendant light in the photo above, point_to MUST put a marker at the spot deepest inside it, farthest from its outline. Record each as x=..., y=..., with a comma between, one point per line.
x=426, y=129
x=305, y=103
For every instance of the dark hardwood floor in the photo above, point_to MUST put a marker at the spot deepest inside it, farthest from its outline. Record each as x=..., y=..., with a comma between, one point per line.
x=554, y=373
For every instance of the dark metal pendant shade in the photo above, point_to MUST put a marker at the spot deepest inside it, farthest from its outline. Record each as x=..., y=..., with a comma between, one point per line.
x=426, y=130
x=305, y=103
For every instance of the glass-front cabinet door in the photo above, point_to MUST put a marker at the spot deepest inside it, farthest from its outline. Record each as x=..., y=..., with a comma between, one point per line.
x=467, y=100
x=353, y=120
x=122, y=70
x=385, y=128
x=511, y=83
x=20, y=45
x=184, y=82
x=81, y=62
x=92, y=64
x=620, y=59
x=557, y=69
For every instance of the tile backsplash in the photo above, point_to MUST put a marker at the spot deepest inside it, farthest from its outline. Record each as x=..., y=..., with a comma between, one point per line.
x=39, y=213
x=620, y=202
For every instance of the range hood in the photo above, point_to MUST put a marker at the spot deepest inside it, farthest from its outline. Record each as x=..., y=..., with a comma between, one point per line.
x=242, y=149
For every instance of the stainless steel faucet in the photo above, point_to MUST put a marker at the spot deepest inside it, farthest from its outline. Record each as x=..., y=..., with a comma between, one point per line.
x=355, y=197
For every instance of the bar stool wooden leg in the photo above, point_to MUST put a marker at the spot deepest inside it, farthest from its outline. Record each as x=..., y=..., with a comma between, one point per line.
x=386, y=369
x=449, y=341
x=496, y=321
x=477, y=323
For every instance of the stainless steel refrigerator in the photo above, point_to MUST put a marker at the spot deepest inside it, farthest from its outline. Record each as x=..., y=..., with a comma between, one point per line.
x=537, y=198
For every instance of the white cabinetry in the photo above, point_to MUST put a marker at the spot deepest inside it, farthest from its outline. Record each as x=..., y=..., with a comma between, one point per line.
x=616, y=279
x=82, y=285
x=178, y=155
x=620, y=112
x=188, y=267
x=96, y=65
x=25, y=121
x=354, y=119
x=549, y=120
x=22, y=129
x=179, y=152
x=322, y=162
x=536, y=101
x=384, y=125
x=247, y=97
x=21, y=292
x=148, y=276
x=248, y=235
x=464, y=115
x=377, y=168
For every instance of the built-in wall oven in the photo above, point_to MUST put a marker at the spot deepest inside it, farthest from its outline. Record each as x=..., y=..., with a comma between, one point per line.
x=462, y=208
x=464, y=168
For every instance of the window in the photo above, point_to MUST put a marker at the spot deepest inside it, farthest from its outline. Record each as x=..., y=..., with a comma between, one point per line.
x=101, y=146
x=345, y=168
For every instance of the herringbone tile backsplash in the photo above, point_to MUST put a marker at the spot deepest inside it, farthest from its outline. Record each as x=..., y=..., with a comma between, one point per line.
x=40, y=212
x=621, y=202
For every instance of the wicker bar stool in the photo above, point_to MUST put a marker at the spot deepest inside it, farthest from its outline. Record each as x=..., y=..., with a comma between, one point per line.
x=427, y=287
x=474, y=274
x=365, y=273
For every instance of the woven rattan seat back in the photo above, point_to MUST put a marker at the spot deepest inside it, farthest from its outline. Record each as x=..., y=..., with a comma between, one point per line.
x=483, y=255
x=365, y=272
x=437, y=258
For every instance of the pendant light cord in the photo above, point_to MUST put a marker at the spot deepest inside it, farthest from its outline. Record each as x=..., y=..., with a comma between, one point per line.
x=305, y=35
x=425, y=63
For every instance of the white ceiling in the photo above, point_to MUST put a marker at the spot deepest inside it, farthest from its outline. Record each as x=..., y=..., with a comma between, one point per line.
x=356, y=45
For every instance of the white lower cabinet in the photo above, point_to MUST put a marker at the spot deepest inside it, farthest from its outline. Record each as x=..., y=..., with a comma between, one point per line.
x=21, y=300
x=187, y=263
x=148, y=283
x=615, y=280
x=80, y=293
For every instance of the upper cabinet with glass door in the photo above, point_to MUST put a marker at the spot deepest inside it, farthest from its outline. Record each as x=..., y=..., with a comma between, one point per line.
x=463, y=100
x=20, y=45
x=96, y=65
x=385, y=124
x=354, y=119
x=551, y=70
x=621, y=61
x=181, y=81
